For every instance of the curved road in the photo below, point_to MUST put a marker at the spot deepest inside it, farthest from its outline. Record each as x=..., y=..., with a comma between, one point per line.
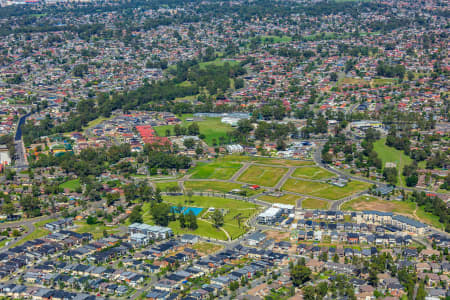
x=28, y=224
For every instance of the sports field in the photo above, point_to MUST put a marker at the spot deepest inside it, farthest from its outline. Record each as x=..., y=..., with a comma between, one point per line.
x=212, y=128
x=324, y=190
x=215, y=170
x=263, y=175
x=314, y=173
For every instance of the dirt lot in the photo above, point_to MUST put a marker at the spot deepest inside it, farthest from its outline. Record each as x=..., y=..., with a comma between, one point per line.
x=277, y=235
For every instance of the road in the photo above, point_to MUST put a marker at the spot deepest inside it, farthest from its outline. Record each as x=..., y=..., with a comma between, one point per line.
x=20, y=158
x=28, y=224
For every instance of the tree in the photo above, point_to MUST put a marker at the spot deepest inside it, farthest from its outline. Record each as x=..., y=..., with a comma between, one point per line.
x=160, y=213
x=217, y=218
x=333, y=76
x=327, y=158
x=193, y=129
x=158, y=197
x=309, y=293
x=390, y=175
x=300, y=274
x=199, y=150
x=182, y=220
x=189, y=143
x=244, y=127
x=335, y=258
x=80, y=70
x=136, y=216
x=8, y=209
x=91, y=220
x=412, y=180
x=421, y=292
x=191, y=220
x=9, y=173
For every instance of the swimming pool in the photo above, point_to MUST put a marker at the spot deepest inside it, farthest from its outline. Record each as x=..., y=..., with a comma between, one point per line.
x=195, y=210
x=186, y=210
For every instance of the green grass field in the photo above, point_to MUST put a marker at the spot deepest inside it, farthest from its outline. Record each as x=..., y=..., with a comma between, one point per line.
x=383, y=81
x=276, y=39
x=216, y=186
x=311, y=203
x=97, y=121
x=390, y=154
x=38, y=232
x=204, y=229
x=72, y=185
x=163, y=186
x=242, y=209
x=218, y=62
x=261, y=175
x=215, y=170
x=286, y=199
x=314, y=173
x=212, y=128
x=268, y=160
x=96, y=230
x=324, y=190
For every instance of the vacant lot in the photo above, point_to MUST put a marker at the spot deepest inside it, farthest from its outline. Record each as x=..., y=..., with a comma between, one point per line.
x=215, y=170
x=205, y=248
x=311, y=203
x=399, y=207
x=286, y=199
x=314, y=173
x=96, y=230
x=261, y=175
x=324, y=190
x=268, y=160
